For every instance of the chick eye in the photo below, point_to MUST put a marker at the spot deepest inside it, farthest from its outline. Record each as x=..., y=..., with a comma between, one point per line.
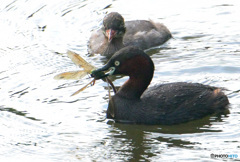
x=116, y=63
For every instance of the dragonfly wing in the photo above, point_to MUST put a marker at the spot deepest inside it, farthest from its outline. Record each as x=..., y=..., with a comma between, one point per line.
x=71, y=75
x=78, y=60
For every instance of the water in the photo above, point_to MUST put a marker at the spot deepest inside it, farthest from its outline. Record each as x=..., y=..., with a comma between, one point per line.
x=38, y=118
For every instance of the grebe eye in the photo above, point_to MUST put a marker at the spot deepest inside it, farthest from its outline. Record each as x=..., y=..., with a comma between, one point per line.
x=116, y=63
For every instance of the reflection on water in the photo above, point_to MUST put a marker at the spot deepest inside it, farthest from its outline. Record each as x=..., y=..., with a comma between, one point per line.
x=38, y=118
x=21, y=113
x=138, y=141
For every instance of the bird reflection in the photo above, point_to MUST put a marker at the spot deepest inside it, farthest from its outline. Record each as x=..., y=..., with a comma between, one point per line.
x=142, y=142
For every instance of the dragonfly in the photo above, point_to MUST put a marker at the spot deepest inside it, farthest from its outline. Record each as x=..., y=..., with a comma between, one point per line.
x=79, y=74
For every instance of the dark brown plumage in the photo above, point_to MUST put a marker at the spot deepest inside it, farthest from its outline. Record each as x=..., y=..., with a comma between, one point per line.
x=171, y=103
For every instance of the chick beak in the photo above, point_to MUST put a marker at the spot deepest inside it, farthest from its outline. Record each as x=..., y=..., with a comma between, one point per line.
x=110, y=34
